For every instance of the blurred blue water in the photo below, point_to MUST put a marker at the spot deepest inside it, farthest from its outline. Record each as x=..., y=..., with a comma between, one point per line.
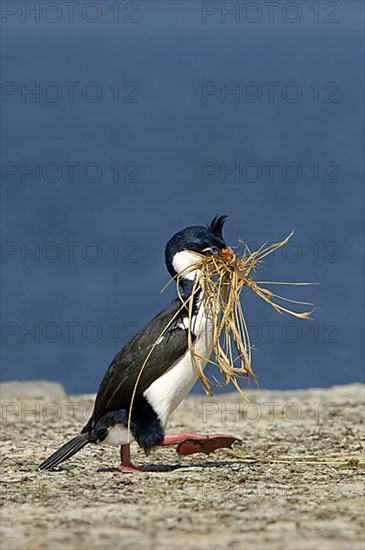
x=168, y=135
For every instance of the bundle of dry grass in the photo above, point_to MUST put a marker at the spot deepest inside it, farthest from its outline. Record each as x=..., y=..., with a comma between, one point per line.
x=222, y=277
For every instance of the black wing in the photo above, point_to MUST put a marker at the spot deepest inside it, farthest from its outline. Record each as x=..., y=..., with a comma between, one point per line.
x=116, y=389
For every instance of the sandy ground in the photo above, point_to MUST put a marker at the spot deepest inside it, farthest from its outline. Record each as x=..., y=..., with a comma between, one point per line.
x=295, y=483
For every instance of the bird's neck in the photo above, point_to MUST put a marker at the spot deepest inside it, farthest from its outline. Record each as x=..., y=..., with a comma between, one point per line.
x=189, y=287
x=197, y=311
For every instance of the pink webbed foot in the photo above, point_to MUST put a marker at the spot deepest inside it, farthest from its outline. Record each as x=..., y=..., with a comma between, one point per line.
x=129, y=469
x=190, y=443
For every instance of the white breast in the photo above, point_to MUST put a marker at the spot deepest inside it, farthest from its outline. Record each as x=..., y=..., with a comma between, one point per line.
x=167, y=392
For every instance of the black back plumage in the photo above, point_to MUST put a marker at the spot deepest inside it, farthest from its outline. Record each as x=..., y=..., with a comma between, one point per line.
x=116, y=389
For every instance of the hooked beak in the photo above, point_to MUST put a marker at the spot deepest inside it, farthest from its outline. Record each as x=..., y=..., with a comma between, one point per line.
x=227, y=254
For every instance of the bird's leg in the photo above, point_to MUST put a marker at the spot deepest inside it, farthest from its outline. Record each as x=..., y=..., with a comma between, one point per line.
x=189, y=443
x=126, y=466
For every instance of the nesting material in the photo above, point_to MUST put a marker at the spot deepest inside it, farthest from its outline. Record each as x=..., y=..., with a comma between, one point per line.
x=222, y=278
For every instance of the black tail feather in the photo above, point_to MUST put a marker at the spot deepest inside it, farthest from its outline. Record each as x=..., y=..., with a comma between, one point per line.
x=66, y=451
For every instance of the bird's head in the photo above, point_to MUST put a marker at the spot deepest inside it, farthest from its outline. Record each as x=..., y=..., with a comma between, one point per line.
x=184, y=249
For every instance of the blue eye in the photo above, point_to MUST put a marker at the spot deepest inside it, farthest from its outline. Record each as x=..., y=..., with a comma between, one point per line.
x=214, y=248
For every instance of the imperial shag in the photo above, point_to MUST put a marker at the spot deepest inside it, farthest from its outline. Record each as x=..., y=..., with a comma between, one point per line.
x=169, y=373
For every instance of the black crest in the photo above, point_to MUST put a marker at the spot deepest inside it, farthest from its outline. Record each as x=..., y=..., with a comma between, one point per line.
x=216, y=226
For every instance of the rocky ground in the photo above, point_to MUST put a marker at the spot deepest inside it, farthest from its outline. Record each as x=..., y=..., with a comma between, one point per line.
x=295, y=483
